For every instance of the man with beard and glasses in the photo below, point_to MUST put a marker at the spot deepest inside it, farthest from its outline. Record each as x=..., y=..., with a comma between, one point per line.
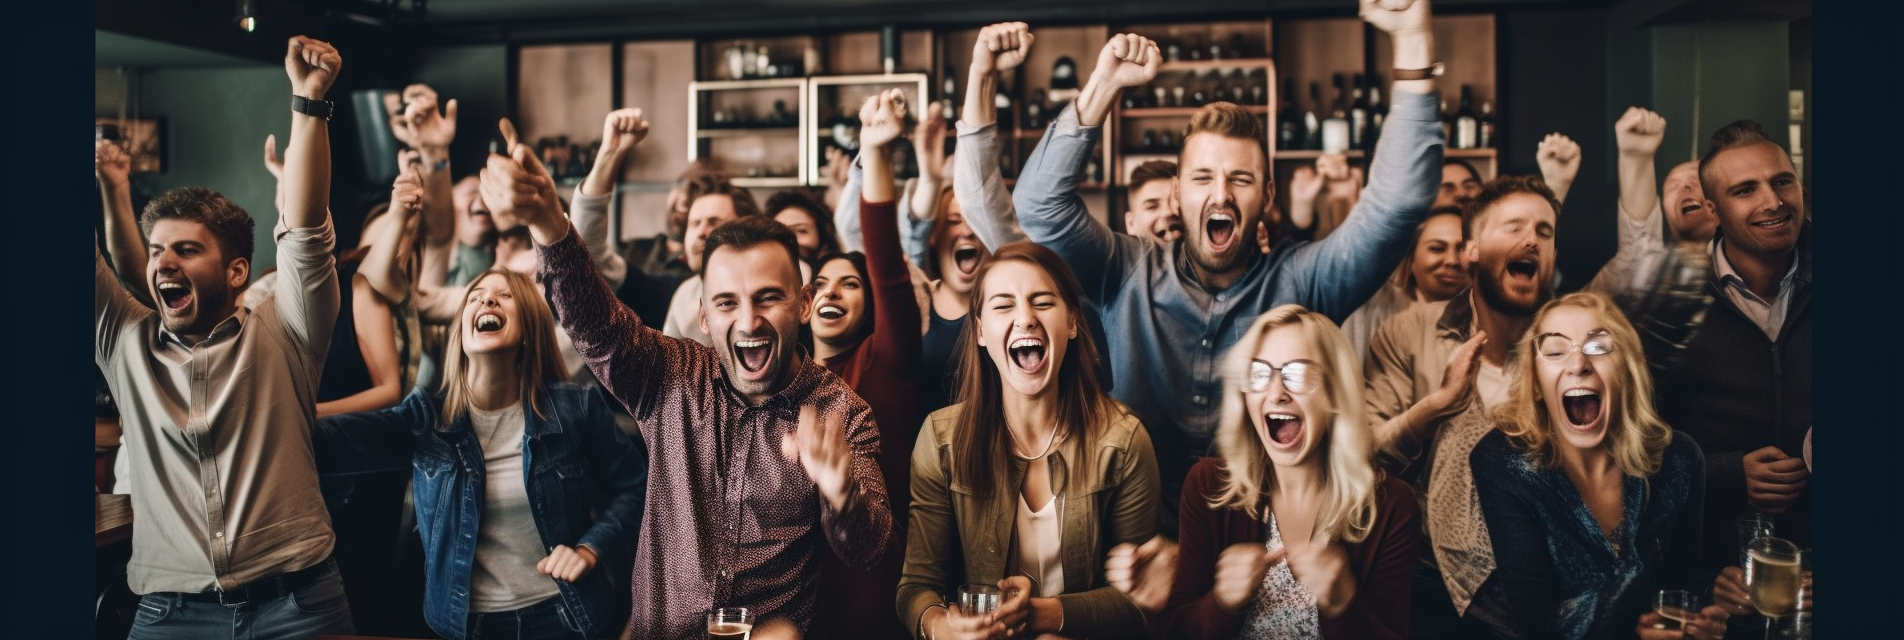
x=218, y=398
x=759, y=457
x=1171, y=310
x=1744, y=389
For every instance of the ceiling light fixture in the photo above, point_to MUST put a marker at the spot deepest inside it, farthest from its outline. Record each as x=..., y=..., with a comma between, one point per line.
x=247, y=15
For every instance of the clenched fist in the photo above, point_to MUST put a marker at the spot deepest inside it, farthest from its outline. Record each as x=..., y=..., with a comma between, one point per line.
x=312, y=65
x=1001, y=47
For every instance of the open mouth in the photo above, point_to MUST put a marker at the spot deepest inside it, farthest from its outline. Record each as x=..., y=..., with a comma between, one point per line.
x=752, y=353
x=1171, y=231
x=1582, y=406
x=1284, y=429
x=176, y=295
x=488, y=323
x=1686, y=207
x=1028, y=354
x=1523, y=268
x=1221, y=230
x=831, y=312
x=967, y=258
x=1773, y=223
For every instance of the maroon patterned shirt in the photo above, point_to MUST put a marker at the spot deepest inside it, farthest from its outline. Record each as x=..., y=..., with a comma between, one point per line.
x=729, y=520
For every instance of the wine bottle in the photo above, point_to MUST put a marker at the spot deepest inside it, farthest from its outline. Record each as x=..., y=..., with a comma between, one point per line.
x=1487, y=124
x=1002, y=100
x=1467, y=128
x=1335, y=130
x=1378, y=111
x=1311, y=121
x=1447, y=122
x=1035, y=110
x=949, y=91
x=1288, y=118
x=1358, y=116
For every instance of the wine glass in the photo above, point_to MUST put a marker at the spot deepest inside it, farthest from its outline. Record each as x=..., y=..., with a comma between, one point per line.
x=1772, y=576
x=1801, y=620
x=1676, y=606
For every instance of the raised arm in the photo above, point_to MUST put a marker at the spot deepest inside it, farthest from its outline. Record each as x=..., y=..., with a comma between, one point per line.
x=422, y=128
x=977, y=182
x=1047, y=198
x=1559, y=160
x=373, y=441
x=113, y=168
x=306, y=293
x=391, y=239
x=895, y=311
x=1337, y=274
x=1643, y=249
x=622, y=129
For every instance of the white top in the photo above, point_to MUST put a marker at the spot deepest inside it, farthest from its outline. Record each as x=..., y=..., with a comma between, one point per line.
x=1040, y=540
x=1491, y=383
x=1769, y=315
x=507, y=543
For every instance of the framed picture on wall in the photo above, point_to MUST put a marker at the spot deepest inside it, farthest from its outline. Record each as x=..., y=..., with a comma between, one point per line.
x=143, y=139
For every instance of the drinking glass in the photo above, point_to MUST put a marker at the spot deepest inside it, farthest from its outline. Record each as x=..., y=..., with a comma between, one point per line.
x=1676, y=606
x=978, y=599
x=1801, y=620
x=730, y=623
x=1772, y=576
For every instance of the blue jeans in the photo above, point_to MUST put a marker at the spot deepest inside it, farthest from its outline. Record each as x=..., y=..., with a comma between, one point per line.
x=314, y=609
x=539, y=621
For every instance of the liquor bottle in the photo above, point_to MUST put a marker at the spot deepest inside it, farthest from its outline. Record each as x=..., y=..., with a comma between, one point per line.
x=1236, y=46
x=1003, y=103
x=1311, y=121
x=949, y=91
x=1149, y=141
x=1259, y=87
x=1378, y=111
x=1358, y=117
x=1035, y=110
x=1487, y=124
x=749, y=60
x=1467, y=128
x=1199, y=96
x=1288, y=118
x=764, y=66
x=1335, y=130
x=1094, y=170
x=1064, y=82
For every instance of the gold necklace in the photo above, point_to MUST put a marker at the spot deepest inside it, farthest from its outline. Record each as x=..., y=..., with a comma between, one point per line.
x=1049, y=441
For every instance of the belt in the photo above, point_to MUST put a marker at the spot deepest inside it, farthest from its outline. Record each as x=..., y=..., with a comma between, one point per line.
x=263, y=589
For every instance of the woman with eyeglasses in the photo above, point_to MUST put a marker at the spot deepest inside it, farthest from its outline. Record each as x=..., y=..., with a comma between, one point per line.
x=1593, y=504
x=1032, y=476
x=1291, y=532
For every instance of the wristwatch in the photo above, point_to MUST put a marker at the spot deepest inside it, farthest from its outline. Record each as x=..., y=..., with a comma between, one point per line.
x=1433, y=71
x=320, y=109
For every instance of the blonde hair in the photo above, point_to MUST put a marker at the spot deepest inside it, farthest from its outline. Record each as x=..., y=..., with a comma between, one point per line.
x=1636, y=437
x=538, y=361
x=1349, y=476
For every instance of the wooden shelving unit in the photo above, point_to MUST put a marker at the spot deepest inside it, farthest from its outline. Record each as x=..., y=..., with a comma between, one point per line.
x=763, y=150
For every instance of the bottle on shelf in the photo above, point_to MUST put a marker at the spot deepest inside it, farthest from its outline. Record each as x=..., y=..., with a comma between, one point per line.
x=1311, y=119
x=1094, y=170
x=736, y=62
x=1195, y=50
x=1199, y=96
x=1035, y=110
x=1149, y=141
x=1288, y=118
x=1447, y=122
x=1237, y=48
x=949, y=92
x=1467, y=127
x=764, y=63
x=1157, y=96
x=1487, y=124
x=1238, y=86
x=781, y=116
x=1335, y=130
x=1003, y=103
x=749, y=61
x=1378, y=111
x=1358, y=116
x=1259, y=87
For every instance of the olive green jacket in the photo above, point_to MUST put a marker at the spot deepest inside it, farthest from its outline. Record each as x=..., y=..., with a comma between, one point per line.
x=958, y=538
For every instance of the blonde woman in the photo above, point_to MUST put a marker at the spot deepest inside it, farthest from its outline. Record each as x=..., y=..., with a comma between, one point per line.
x=1292, y=532
x=1592, y=502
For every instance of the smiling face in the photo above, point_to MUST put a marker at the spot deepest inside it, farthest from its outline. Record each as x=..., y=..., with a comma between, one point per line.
x=1512, y=254
x=1760, y=204
x=804, y=230
x=839, y=303
x=1153, y=214
x=491, y=320
x=958, y=251
x=1221, y=194
x=1684, y=202
x=1578, y=373
x=1024, y=326
x=1290, y=425
x=1458, y=186
x=1437, y=267
x=753, y=305
x=706, y=213
x=186, y=269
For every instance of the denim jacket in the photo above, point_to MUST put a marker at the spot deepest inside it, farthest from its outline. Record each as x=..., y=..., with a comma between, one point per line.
x=587, y=483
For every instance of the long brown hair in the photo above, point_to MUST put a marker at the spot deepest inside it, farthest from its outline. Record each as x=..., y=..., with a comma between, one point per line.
x=979, y=437
x=538, y=361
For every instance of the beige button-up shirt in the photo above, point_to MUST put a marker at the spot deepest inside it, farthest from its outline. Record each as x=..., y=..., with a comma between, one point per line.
x=219, y=433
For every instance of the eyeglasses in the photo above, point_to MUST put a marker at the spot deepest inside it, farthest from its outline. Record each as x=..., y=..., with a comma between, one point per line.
x=1299, y=376
x=1554, y=347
